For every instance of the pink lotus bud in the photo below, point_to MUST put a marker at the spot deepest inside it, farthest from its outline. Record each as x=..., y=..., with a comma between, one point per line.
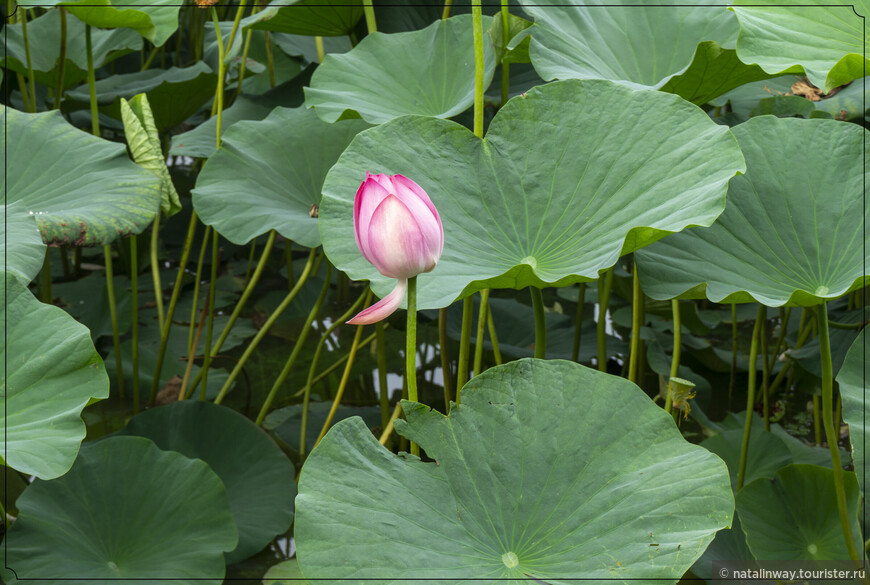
x=399, y=231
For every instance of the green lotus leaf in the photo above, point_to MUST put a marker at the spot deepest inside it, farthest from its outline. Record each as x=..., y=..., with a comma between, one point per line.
x=21, y=247
x=259, y=479
x=852, y=379
x=279, y=164
x=687, y=50
x=792, y=232
x=536, y=475
x=569, y=177
x=156, y=21
x=729, y=545
x=435, y=57
x=767, y=453
x=794, y=516
x=51, y=372
x=285, y=573
x=174, y=94
x=200, y=142
x=825, y=40
x=322, y=18
x=144, y=142
x=107, y=45
x=51, y=168
x=126, y=510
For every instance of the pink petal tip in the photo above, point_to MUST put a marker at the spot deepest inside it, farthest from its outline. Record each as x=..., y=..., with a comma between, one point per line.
x=383, y=308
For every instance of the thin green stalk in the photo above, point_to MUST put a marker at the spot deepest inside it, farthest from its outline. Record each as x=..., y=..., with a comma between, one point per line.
x=636, y=300
x=764, y=374
x=675, y=354
x=191, y=353
x=61, y=66
x=493, y=338
x=270, y=59
x=446, y=13
x=505, y=38
x=113, y=313
x=45, y=280
x=383, y=391
x=242, y=65
x=288, y=259
x=297, y=347
x=173, y=300
x=540, y=322
x=369, y=10
x=250, y=259
x=342, y=384
x=92, y=83
x=197, y=281
x=578, y=322
x=318, y=44
x=410, y=350
x=733, y=375
x=853, y=326
x=246, y=293
x=212, y=285
x=481, y=324
x=817, y=419
x=134, y=324
x=219, y=92
x=30, y=78
x=750, y=398
x=604, y=285
x=266, y=326
x=445, y=358
x=150, y=58
x=464, y=346
x=830, y=433
x=780, y=339
x=236, y=21
x=477, y=26
x=155, y=271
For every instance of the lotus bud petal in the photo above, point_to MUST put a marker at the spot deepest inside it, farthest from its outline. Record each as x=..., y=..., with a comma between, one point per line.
x=383, y=308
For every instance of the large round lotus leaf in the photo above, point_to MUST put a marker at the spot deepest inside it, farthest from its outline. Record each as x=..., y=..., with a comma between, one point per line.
x=259, y=479
x=51, y=371
x=428, y=72
x=44, y=55
x=324, y=18
x=537, y=475
x=126, y=510
x=729, y=545
x=767, y=453
x=569, y=177
x=21, y=247
x=269, y=174
x=827, y=41
x=82, y=190
x=793, y=229
x=687, y=50
x=852, y=378
x=156, y=21
x=174, y=94
x=794, y=516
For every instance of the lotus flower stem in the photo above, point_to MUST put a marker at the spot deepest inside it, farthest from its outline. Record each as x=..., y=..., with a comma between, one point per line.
x=212, y=285
x=675, y=355
x=505, y=38
x=733, y=375
x=297, y=347
x=578, y=322
x=445, y=358
x=365, y=297
x=785, y=316
x=244, y=61
x=383, y=391
x=369, y=10
x=446, y=13
x=155, y=271
x=270, y=59
x=540, y=322
x=61, y=59
x=464, y=346
x=250, y=259
x=604, y=285
x=636, y=301
x=481, y=323
x=342, y=384
x=477, y=26
x=197, y=280
x=410, y=349
x=221, y=73
x=113, y=313
x=830, y=433
x=191, y=354
x=246, y=293
x=239, y=11
x=134, y=309
x=764, y=374
x=288, y=259
x=750, y=398
x=493, y=338
x=318, y=45
x=388, y=427
x=173, y=300
x=92, y=83
x=268, y=325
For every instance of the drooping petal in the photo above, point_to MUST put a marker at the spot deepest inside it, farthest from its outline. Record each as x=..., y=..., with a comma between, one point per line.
x=424, y=212
x=396, y=242
x=383, y=308
x=369, y=195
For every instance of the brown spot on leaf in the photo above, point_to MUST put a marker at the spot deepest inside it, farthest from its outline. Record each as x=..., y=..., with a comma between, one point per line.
x=314, y=211
x=805, y=89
